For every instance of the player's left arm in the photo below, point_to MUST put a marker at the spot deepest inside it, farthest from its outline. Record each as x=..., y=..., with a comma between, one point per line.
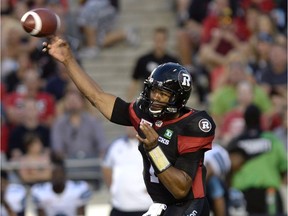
x=177, y=181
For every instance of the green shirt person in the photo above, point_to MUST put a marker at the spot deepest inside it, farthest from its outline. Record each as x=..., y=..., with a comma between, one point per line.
x=225, y=98
x=264, y=170
x=263, y=165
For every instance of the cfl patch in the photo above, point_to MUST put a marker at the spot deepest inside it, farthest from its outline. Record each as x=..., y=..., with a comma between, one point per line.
x=205, y=125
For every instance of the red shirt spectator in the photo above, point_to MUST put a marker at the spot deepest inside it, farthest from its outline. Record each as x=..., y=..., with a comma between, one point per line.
x=213, y=21
x=30, y=89
x=45, y=104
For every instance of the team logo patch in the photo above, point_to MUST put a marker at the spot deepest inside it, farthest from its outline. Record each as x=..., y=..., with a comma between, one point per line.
x=205, y=125
x=168, y=134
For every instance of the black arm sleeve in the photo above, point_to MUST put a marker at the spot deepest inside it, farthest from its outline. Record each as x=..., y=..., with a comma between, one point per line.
x=120, y=114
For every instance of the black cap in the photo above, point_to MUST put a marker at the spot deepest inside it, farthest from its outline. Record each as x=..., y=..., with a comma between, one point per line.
x=252, y=116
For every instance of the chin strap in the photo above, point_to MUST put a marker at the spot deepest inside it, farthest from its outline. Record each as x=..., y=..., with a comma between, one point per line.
x=162, y=112
x=156, y=113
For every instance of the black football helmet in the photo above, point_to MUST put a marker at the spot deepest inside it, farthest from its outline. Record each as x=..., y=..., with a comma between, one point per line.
x=170, y=77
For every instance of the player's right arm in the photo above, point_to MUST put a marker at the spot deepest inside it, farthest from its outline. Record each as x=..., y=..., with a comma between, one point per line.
x=60, y=50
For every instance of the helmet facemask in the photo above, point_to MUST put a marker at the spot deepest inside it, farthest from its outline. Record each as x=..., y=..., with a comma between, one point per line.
x=166, y=107
x=169, y=108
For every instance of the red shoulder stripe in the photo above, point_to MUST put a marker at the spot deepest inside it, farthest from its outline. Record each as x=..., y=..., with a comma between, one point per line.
x=198, y=186
x=134, y=118
x=192, y=144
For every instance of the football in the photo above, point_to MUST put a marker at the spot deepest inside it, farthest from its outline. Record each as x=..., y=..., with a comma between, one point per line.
x=40, y=22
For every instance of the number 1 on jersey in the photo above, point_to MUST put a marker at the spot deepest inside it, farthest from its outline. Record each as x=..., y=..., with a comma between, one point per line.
x=153, y=177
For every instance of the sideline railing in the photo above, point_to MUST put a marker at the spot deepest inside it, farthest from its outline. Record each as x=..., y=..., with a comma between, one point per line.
x=88, y=168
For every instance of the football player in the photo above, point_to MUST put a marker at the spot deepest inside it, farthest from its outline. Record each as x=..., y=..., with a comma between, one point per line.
x=173, y=138
x=60, y=196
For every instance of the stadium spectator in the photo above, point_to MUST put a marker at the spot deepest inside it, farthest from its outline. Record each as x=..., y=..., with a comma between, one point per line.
x=220, y=35
x=261, y=41
x=97, y=20
x=13, y=197
x=12, y=36
x=35, y=163
x=260, y=177
x=260, y=57
x=30, y=124
x=224, y=98
x=56, y=85
x=14, y=80
x=250, y=17
x=122, y=172
x=77, y=133
x=274, y=76
x=68, y=27
x=265, y=24
x=190, y=27
x=223, y=31
x=61, y=196
x=189, y=42
x=233, y=121
x=181, y=8
x=147, y=62
x=31, y=88
x=17, y=42
x=234, y=62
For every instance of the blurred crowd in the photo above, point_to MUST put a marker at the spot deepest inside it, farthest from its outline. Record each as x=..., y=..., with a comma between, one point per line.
x=235, y=50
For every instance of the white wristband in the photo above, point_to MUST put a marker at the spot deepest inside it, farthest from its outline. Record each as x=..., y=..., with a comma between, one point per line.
x=159, y=159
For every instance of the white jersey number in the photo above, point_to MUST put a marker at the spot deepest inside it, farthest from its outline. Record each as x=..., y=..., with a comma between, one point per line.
x=153, y=177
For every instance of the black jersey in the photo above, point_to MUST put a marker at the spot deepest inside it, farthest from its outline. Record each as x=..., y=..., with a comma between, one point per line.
x=183, y=141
